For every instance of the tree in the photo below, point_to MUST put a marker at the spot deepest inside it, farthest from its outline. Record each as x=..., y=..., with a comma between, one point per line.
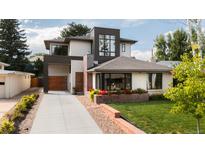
x=13, y=48
x=161, y=46
x=74, y=29
x=189, y=94
x=172, y=46
x=38, y=67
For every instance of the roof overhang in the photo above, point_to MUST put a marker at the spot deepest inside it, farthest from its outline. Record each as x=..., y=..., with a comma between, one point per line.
x=8, y=72
x=4, y=64
x=127, y=71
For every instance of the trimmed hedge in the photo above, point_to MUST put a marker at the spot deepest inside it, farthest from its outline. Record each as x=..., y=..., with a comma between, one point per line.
x=19, y=112
x=156, y=97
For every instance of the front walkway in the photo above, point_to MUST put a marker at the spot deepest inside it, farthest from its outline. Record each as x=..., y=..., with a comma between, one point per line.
x=61, y=113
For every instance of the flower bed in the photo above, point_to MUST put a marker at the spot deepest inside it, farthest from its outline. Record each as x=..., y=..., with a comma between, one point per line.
x=10, y=122
x=103, y=96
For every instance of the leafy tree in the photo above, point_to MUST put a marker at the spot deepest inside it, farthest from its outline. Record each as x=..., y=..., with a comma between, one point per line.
x=74, y=29
x=35, y=67
x=189, y=93
x=38, y=67
x=13, y=47
x=161, y=46
x=172, y=46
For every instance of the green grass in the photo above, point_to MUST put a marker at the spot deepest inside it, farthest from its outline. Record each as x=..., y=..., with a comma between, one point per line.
x=154, y=117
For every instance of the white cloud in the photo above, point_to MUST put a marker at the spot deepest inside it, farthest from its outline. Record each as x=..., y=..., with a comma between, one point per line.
x=36, y=37
x=142, y=55
x=132, y=22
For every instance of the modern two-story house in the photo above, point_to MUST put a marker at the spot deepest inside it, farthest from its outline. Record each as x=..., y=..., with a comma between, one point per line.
x=100, y=60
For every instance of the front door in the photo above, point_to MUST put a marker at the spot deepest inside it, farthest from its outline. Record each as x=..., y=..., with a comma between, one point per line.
x=79, y=81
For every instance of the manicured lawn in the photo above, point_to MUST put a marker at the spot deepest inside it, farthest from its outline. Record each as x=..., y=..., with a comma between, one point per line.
x=155, y=117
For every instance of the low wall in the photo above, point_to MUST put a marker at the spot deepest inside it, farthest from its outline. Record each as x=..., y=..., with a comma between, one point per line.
x=116, y=117
x=122, y=98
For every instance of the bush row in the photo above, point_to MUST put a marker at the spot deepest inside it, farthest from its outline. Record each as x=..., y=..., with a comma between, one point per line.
x=19, y=112
x=157, y=97
x=115, y=92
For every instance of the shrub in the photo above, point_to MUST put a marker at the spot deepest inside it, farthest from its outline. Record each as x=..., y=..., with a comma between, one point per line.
x=115, y=92
x=157, y=97
x=92, y=93
x=23, y=106
x=127, y=91
x=139, y=91
x=16, y=115
x=7, y=127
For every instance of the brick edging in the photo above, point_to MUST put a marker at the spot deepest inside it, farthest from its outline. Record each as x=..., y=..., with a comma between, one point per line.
x=123, y=124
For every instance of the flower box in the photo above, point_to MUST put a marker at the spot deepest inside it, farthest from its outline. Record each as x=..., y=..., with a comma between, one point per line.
x=122, y=98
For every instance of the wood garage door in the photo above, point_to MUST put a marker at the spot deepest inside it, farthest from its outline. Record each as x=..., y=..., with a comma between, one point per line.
x=57, y=83
x=79, y=81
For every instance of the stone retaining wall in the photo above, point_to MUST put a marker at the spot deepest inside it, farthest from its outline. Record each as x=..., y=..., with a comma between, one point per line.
x=116, y=117
x=122, y=98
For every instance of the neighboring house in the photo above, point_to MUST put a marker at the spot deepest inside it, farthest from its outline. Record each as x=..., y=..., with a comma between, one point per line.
x=102, y=60
x=171, y=64
x=13, y=82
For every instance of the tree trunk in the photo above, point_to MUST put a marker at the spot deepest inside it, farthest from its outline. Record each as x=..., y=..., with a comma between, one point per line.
x=198, y=125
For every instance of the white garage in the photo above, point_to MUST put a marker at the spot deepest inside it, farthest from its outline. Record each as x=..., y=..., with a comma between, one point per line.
x=13, y=82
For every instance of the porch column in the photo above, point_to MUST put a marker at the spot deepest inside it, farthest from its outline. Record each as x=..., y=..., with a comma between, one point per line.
x=94, y=80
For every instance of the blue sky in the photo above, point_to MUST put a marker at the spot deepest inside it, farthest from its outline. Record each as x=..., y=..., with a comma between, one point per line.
x=145, y=31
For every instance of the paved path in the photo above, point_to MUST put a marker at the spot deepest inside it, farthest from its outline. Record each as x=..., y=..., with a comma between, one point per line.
x=61, y=113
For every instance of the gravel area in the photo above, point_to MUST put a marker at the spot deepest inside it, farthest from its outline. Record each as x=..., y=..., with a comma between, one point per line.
x=102, y=119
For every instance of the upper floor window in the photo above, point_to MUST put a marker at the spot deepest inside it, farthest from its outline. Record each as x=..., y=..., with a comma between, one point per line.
x=106, y=45
x=155, y=81
x=123, y=47
x=59, y=49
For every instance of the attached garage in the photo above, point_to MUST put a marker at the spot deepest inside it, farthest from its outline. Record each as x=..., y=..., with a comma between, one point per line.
x=58, y=77
x=57, y=83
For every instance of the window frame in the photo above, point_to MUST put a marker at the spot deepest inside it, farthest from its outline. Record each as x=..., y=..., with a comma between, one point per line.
x=123, y=47
x=53, y=45
x=101, y=77
x=150, y=82
x=111, y=42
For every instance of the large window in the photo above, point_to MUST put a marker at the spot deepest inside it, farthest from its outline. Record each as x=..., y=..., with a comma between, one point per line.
x=106, y=45
x=59, y=50
x=113, y=81
x=155, y=81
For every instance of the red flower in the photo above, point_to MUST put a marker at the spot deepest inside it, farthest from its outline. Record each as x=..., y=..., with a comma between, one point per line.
x=103, y=92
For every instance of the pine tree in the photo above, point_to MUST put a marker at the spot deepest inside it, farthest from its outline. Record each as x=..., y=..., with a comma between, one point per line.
x=13, y=47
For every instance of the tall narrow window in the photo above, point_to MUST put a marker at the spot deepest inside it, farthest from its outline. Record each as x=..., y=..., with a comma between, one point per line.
x=106, y=45
x=155, y=81
x=123, y=47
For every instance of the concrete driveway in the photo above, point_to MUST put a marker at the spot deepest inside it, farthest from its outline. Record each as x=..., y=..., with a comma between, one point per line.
x=6, y=105
x=60, y=113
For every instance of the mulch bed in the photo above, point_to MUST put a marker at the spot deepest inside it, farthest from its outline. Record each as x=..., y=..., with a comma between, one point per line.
x=24, y=124
x=106, y=123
